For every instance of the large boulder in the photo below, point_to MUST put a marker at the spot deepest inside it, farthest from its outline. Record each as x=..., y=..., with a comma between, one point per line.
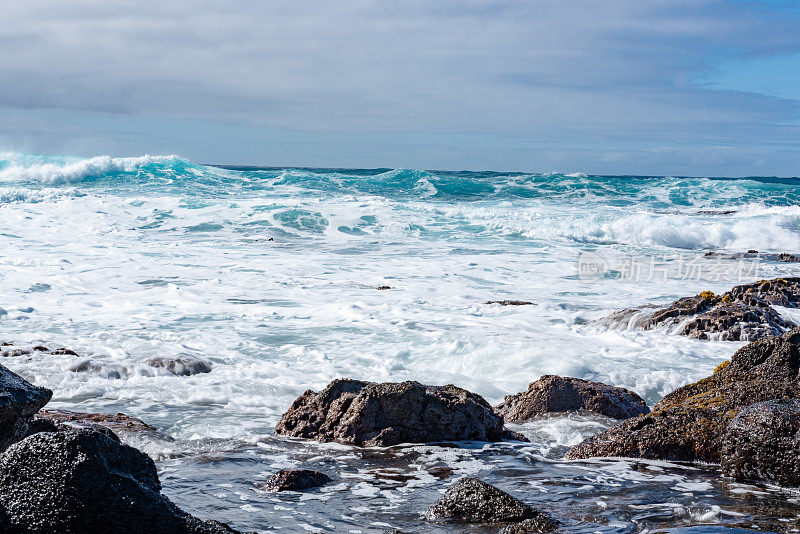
x=19, y=401
x=81, y=481
x=562, y=394
x=366, y=413
x=473, y=501
x=688, y=424
x=762, y=443
x=745, y=313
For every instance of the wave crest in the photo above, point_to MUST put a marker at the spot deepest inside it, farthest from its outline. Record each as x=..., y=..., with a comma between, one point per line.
x=26, y=168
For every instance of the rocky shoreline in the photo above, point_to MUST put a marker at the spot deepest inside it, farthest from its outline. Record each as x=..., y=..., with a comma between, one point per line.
x=65, y=471
x=745, y=313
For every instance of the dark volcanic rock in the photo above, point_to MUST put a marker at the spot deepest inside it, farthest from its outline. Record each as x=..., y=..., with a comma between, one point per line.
x=63, y=351
x=716, y=212
x=473, y=501
x=17, y=352
x=745, y=313
x=81, y=481
x=736, y=322
x=542, y=523
x=114, y=372
x=559, y=394
x=788, y=257
x=365, y=413
x=118, y=423
x=19, y=400
x=296, y=480
x=509, y=302
x=762, y=443
x=688, y=424
x=14, y=353
x=180, y=366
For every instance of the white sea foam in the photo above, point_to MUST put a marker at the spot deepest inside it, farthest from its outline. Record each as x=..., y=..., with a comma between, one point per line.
x=274, y=284
x=128, y=281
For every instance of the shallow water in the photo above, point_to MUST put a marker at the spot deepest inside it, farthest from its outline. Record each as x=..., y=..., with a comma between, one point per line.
x=270, y=275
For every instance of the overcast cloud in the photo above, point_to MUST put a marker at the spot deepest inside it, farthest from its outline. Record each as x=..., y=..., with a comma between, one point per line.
x=614, y=86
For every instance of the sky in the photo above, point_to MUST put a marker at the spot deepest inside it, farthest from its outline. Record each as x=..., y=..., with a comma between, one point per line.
x=655, y=87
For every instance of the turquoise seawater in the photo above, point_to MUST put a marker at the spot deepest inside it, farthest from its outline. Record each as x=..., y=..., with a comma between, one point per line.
x=270, y=275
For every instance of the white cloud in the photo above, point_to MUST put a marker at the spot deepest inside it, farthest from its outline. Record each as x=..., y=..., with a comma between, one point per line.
x=580, y=72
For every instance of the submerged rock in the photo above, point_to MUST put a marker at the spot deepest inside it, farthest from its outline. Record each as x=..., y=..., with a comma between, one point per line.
x=14, y=353
x=112, y=371
x=180, y=366
x=86, y=481
x=562, y=394
x=9, y=352
x=118, y=423
x=19, y=401
x=473, y=501
x=510, y=302
x=688, y=424
x=745, y=313
x=63, y=351
x=762, y=444
x=296, y=480
x=366, y=413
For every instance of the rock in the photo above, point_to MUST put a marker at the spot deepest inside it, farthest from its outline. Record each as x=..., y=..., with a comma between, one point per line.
x=559, y=394
x=14, y=353
x=788, y=257
x=473, y=501
x=383, y=288
x=509, y=302
x=64, y=351
x=539, y=524
x=510, y=435
x=180, y=366
x=17, y=352
x=295, y=480
x=737, y=322
x=38, y=424
x=113, y=372
x=776, y=292
x=366, y=413
x=762, y=444
x=118, y=423
x=688, y=424
x=19, y=400
x=745, y=313
x=85, y=481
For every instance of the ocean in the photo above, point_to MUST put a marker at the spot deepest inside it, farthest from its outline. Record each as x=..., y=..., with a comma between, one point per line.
x=270, y=275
